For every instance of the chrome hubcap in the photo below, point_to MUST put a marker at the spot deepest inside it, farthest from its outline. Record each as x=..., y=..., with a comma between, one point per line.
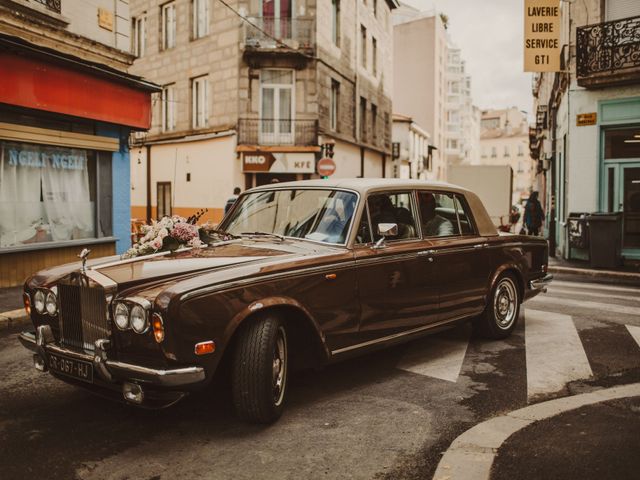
x=505, y=303
x=279, y=370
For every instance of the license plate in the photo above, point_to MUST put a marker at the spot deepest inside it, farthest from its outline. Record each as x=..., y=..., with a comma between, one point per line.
x=71, y=367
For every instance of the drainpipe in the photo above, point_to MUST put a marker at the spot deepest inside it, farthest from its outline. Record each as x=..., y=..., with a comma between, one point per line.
x=148, y=183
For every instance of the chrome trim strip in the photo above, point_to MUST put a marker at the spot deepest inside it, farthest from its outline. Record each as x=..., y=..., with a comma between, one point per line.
x=395, y=335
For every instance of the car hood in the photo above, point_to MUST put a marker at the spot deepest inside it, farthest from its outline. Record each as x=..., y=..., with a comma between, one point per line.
x=162, y=266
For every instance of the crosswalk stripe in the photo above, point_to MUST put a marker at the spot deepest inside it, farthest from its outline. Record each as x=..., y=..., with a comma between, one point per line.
x=554, y=352
x=570, y=302
x=635, y=333
x=439, y=356
x=596, y=286
x=568, y=291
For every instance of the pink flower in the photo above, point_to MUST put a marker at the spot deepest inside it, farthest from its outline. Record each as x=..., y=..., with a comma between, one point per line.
x=156, y=243
x=183, y=232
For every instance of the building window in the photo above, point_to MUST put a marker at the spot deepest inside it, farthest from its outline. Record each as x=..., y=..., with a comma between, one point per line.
x=520, y=150
x=506, y=151
x=375, y=8
x=168, y=108
x=335, y=21
x=139, y=35
x=374, y=121
x=168, y=25
x=53, y=194
x=199, y=101
x=363, y=119
x=494, y=152
x=333, y=108
x=363, y=45
x=276, y=107
x=374, y=55
x=163, y=200
x=200, y=9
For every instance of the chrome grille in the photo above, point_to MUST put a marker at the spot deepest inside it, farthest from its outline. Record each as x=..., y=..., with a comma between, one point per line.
x=83, y=315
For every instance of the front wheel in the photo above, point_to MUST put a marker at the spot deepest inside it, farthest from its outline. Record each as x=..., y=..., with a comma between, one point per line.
x=500, y=316
x=260, y=368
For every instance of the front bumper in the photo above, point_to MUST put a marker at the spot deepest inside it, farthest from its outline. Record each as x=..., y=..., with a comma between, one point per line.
x=42, y=342
x=541, y=284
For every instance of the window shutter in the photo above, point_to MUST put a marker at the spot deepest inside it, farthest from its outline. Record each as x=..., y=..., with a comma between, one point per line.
x=617, y=9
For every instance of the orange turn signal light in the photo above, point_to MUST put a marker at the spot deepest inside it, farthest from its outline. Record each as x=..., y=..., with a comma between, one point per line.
x=27, y=303
x=205, y=348
x=158, y=327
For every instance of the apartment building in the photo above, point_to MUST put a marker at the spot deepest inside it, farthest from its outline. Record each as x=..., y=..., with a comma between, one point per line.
x=504, y=140
x=420, y=83
x=67, y=106
x=462, y=118
x=586, y=137
x=257, y=91
x=413, y=154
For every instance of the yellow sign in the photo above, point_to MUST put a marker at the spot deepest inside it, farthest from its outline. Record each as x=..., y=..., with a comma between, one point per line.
x=584, y=119
x=105, y=19
x=542, y=35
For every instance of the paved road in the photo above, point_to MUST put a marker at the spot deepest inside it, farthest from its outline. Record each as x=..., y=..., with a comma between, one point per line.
x=388, y=415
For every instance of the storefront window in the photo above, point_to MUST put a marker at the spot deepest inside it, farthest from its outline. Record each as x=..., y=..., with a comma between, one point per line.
x=47, y=194
x=622, y=143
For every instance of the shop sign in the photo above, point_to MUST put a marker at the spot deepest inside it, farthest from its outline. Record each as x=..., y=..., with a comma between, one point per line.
x=58, y=158
x=326, y=167
x=585, y=119
x=278, y=162
x=542, y=36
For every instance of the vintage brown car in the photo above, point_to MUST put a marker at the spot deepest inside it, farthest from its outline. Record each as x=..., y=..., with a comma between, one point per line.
x=303, y=274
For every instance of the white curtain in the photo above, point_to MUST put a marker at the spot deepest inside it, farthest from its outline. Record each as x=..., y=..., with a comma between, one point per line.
x=44, y=195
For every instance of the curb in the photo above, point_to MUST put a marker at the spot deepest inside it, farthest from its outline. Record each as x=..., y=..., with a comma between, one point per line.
x=470, y=456
x=630, y=277
x=13, y=318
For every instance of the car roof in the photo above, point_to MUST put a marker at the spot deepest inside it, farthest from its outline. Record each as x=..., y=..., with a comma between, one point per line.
x=364, y=185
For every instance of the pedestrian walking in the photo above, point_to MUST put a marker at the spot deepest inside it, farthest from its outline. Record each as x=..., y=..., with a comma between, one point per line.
x=232, y=200
x=533, y=214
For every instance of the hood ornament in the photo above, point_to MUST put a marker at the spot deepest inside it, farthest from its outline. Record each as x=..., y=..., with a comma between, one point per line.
x=84, y=254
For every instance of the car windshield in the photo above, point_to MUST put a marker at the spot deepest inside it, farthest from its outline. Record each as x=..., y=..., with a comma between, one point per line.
x=312, y=214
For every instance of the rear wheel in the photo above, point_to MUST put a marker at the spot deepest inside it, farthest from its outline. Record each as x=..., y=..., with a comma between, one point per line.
x=500, y=316
x=260, y=368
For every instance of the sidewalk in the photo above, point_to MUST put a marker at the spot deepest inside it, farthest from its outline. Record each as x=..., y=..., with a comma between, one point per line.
x=12, y=311
x=590, y=436
x=628, y=274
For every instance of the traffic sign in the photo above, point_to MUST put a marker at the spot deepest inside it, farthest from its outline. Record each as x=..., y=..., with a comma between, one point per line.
x=326, y=167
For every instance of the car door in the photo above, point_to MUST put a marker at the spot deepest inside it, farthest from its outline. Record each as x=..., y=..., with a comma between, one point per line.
x=397, y=284
x=462, y=256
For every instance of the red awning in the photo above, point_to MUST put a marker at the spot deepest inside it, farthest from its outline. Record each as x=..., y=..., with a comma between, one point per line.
x=43, y=85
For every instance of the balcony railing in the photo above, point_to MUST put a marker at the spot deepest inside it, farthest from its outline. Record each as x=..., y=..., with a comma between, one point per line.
x=609, y=53
x=253, y=131
x=274, y=33
x=53, y=5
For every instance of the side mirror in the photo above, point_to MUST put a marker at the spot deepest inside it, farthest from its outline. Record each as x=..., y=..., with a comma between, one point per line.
x=385, y=230
x=388, y=229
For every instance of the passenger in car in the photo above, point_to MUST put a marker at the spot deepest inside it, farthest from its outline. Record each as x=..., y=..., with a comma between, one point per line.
x=433, y=225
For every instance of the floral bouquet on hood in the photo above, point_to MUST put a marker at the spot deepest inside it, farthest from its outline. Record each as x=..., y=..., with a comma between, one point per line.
x=169, y=234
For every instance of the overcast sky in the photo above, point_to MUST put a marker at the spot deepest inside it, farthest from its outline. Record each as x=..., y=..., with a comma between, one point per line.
x=490, y=35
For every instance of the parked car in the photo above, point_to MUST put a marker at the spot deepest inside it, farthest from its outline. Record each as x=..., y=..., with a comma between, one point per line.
x=304, y=274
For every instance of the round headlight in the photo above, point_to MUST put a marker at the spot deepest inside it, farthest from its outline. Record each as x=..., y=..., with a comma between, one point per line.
x=38, y=301
x=51, y=304
x=121, y=316
x=139, y=319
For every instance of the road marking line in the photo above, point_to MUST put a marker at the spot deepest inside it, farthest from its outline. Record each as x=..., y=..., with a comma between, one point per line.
x=570, y=302
x=635, y=333
x=569, y=291
x=438, y=356
x=597, y=286
x=554, y=352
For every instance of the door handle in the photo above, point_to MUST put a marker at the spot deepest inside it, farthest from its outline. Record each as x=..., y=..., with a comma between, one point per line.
x=427, y=252
x=481, y=245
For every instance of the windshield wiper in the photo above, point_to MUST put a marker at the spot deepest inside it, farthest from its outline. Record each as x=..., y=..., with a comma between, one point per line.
x=264, y=234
